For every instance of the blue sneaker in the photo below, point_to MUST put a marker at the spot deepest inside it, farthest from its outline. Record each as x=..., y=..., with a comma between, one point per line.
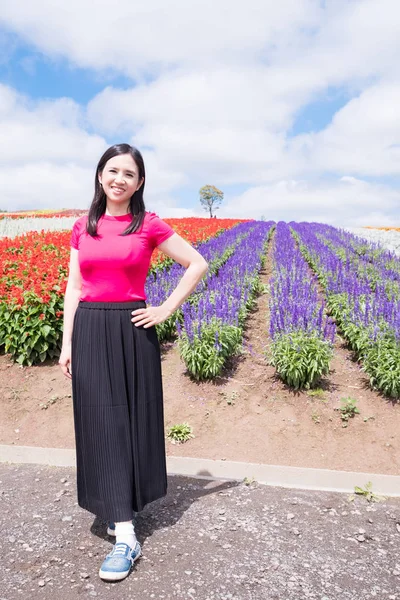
x=118, y=562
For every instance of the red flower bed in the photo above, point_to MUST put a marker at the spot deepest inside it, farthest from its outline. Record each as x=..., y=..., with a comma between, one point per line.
x=33, y=279
x=38, y=261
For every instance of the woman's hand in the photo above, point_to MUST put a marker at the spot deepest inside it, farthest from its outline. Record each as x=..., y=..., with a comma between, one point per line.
x=182, y=252
x=152, y=315
x=65, y=361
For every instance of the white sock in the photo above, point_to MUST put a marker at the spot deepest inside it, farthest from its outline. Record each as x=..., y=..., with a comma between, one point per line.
x=125, y=532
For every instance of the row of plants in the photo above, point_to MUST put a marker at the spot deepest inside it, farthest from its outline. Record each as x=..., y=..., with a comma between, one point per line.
x=44, y=213
x=212, y=329
x=302, y=335
x=367, y=318
x=195, y=230
x=216, y=251
x=378, y=266
x=33, y=278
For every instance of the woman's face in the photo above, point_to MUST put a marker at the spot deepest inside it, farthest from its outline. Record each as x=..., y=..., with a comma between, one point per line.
x=120, y=178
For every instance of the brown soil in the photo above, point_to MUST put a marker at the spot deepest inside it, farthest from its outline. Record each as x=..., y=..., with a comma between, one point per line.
x=246, y=415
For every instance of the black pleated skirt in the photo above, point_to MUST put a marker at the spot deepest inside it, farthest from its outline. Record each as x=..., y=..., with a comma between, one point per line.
x=118, y=411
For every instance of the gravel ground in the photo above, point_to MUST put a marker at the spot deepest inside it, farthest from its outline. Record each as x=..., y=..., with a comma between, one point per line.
x=388, y=239
x=205, y=540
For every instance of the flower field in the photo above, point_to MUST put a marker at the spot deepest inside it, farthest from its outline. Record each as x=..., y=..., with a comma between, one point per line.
x=388, y=238
x=44, y=213
x=383, y=228
x=302, y=335
x=323, y=280
x=361, y=283
x=34, y=271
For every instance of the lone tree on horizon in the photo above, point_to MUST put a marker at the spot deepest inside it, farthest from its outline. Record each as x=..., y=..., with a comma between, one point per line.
x=210, y=196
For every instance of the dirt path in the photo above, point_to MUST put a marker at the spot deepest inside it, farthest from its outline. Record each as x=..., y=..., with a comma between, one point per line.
x=246, y=415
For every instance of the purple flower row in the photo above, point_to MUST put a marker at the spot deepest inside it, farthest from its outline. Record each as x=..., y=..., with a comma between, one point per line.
x=161, y=283
x=364, y=300
x=228, y=294
x=377, y=268
x=294, y=301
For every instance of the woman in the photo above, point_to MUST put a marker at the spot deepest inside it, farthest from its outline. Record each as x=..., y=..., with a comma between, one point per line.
x=110, y=350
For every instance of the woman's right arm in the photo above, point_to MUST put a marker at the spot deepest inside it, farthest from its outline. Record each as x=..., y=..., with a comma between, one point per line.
x=71, y=301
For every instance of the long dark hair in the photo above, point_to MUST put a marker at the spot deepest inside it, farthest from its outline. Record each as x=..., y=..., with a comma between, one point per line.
x=99, y=202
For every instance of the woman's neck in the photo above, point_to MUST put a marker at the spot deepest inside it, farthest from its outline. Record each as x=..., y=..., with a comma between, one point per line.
x=117, y=211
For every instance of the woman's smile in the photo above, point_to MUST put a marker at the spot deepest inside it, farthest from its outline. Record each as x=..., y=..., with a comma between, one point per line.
x=117, y=191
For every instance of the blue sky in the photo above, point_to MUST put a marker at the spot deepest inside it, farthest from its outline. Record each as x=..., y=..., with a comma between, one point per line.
x=38, y=76
x=317, y=114
x=288, y=109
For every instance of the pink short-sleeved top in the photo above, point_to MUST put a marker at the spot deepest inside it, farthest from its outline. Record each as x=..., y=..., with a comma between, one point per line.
x=114, y=267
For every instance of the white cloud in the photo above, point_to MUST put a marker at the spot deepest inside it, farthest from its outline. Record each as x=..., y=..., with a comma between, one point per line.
x=48, y=160
x=216, y=88
x=204, y=97
x=165, y=207
x=43, y=131
x=205, y=124
x=160, y=180
x=356, y=40
x=137, y=37
x=347, y=202
x=43, y=184
x=231, y=121
x=363, y=137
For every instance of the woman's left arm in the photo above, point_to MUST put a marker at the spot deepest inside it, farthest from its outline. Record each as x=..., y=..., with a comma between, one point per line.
x=182, y=252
